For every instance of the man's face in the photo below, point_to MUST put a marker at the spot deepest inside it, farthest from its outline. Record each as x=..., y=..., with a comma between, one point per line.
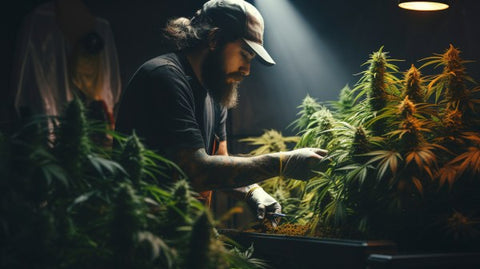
x=223, y=70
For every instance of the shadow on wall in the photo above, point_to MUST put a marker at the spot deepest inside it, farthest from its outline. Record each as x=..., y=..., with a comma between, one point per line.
x=306, y=64
x=320, y=45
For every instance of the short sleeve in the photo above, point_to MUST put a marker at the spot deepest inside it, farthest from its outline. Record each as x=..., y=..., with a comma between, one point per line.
x=173, y=119
x=159, y=106
x=220, y=128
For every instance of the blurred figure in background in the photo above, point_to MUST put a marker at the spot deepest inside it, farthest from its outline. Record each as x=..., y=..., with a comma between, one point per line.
x=64, y=51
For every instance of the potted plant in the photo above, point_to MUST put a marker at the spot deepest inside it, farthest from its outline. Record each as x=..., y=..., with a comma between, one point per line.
x=404, y=158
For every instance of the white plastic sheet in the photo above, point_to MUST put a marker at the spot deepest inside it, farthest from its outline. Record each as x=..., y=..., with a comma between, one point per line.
x=41, y=72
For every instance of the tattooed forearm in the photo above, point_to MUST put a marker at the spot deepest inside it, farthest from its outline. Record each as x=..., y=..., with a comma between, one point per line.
x=217, y=172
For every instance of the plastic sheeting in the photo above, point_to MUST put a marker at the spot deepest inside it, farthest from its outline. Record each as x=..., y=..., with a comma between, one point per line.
x=42, y=79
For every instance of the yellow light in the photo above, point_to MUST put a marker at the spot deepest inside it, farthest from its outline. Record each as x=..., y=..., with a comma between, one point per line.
x=423, y=5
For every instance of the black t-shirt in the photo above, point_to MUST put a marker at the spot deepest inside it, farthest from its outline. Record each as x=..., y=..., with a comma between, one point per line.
x=166, y=106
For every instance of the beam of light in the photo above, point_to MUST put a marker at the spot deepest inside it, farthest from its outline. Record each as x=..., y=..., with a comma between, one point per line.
x=423, y=5
x=305, y=62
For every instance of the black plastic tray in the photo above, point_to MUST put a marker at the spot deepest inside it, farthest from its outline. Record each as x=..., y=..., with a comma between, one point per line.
x=282, y=251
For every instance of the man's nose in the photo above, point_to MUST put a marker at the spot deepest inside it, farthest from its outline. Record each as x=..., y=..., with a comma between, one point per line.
x=245, y=69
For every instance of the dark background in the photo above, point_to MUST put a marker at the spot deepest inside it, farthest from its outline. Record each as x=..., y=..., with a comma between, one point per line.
x=318, y=46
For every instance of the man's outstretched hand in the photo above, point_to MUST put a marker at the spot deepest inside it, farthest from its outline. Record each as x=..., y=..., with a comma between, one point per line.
x=302, y=163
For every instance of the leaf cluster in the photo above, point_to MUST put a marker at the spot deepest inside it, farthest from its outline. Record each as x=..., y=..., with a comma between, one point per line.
x=404, y=154
x=70, y=202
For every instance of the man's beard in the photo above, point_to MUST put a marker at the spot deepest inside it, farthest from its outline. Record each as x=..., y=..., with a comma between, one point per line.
x=215, y=79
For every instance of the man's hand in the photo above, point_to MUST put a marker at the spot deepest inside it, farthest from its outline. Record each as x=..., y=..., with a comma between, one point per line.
x=299, y=164
x=262, y=204
x=225, y=172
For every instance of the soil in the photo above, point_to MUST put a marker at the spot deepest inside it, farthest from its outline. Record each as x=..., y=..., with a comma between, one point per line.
x=294, y=230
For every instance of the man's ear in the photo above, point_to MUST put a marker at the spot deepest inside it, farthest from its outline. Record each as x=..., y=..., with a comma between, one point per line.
x=213, y=36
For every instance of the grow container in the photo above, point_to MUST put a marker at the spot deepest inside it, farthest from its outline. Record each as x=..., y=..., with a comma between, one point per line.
x=282, y=251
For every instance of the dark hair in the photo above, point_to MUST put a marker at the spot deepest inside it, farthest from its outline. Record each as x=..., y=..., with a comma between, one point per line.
x=183, y=33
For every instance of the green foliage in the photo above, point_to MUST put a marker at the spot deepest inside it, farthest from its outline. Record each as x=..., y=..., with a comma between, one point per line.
x=308, y=107
x=73, y=145
x=413, y=86
x=127, y=220
x=180, y=209
x=378, y=86
x=284, y=191
x=269, y=141
x=200, y=243
x=402, y=165
x=243, y=259
x=317, y=134
x=345, y=103
x=67, y=202
x=133, y=159
x=360, y=144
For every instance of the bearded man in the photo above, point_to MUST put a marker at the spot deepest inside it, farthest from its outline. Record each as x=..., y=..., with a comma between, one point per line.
x=178, y=104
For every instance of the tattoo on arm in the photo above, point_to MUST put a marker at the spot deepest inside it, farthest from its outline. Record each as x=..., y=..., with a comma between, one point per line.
x=221, y=172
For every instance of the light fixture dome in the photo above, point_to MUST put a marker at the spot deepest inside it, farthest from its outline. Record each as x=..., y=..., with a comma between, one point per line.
x=433, y=5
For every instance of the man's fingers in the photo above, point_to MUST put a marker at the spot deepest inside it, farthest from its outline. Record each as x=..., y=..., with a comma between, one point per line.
x=277, y=208
x=301, y=162
x=261, y=212
x=319, y=151
x=275, y=222
x=273, y=209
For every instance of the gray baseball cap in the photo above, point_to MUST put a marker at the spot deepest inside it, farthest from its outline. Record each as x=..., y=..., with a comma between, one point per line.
x=241, y=17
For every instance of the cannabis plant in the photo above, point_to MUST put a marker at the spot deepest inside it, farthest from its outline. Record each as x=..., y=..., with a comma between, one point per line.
x=126, y=221
x=377, y=86
x=132, y=158
x=403, y=165
x=286, y=192
x=308, y=107
x=68, y=202
x=270, y=141
x=72, y=144
x=345, y=103
x=413, y=85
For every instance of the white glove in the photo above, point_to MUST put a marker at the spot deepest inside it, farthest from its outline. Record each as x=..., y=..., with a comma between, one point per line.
x=262, y=203
x=300, y=163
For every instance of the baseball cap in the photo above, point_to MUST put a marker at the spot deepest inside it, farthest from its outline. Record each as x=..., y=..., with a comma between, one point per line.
x=241, y=17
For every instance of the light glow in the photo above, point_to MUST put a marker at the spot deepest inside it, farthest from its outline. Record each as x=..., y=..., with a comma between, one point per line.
x=423, y=5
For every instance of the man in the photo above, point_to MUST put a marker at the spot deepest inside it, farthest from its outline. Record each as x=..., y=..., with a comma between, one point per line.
x=178, y=103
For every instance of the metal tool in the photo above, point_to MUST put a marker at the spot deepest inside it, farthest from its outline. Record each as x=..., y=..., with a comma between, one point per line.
x=275, y=215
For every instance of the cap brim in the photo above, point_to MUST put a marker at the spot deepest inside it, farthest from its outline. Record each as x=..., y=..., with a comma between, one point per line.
x=262, y=54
